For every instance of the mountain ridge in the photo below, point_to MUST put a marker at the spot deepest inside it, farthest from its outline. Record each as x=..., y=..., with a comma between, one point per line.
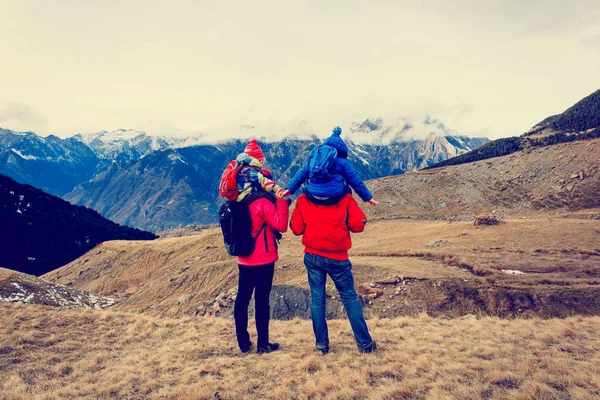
x=579, y=122
x=41, y=232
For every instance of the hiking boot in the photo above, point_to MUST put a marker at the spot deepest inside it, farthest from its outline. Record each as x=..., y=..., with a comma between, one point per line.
x=268, y=348
x=245, y=347
x=370, y=348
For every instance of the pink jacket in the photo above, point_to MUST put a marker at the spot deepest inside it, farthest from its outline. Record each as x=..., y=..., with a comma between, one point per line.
x=262, y=212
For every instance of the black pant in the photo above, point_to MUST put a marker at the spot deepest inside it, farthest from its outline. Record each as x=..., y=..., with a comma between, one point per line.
x=261, y=278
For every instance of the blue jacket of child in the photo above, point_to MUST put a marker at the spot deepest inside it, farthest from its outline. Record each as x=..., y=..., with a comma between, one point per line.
x=343, y=172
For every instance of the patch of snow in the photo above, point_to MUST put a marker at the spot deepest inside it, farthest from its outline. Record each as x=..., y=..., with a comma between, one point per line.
x=23, y=156
x=187, y=141
x=459, y=140
x=174, y=157
x=359, y=148
x=513, y=272
x=155, y=144
x=13, y=298
x=121, y=135
x=364, y=160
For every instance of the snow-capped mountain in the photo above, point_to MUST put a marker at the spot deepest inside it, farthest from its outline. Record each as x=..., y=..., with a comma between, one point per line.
x=125, y=145
x=158, y=182
x=378, y=131
x=50, y=163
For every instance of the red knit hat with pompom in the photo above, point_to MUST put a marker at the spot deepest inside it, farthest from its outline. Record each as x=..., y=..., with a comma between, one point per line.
x=254, y=150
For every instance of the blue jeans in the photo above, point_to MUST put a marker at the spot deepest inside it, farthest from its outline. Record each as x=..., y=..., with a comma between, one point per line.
x=318, y=268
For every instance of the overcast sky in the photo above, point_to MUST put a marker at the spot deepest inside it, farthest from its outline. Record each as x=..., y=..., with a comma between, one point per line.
x=485, y=68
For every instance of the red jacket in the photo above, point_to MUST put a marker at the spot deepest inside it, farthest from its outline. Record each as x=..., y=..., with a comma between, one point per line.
x=326, y=229
x=262, y=212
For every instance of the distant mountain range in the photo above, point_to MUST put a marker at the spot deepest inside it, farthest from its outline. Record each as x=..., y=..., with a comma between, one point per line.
x=57, y=165
x=157, y=183
x=175, y=187
x=41, y=232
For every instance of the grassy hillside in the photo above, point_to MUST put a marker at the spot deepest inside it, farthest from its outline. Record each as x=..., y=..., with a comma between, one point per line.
x=101, y=354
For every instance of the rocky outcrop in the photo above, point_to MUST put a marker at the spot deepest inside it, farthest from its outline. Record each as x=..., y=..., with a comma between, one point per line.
x=27, y=289
x=287, y=302
x=486, y=220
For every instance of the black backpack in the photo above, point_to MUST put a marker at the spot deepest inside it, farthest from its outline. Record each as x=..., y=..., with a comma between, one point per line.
x=236, y=225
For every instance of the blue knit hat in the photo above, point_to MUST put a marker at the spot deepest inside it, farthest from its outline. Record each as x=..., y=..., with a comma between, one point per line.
x=336, y=142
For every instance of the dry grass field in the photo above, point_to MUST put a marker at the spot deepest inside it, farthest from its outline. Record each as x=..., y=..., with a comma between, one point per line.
x=49, y=354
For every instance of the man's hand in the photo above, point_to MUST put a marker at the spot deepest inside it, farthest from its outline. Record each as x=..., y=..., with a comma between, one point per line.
x=373, y=203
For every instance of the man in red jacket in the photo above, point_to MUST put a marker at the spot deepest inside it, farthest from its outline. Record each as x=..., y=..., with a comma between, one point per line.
x=326, y=238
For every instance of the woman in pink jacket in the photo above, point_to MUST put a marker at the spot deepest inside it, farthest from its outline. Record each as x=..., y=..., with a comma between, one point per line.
x=257, y=269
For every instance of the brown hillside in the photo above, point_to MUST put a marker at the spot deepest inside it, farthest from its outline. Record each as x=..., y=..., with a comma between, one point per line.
x=443, y=268
x=49, y=354
x=553, y=178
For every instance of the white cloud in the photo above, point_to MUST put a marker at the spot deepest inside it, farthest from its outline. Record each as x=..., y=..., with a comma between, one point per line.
x=493, y=67
x=21, y=117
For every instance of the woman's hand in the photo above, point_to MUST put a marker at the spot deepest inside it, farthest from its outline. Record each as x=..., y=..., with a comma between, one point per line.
x=280, y=194
x=286, y=193
x=373, y=202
